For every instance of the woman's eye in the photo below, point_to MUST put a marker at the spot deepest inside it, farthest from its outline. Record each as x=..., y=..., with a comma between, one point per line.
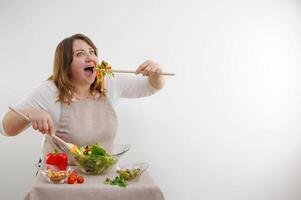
x=92, y=52
x=80, y=54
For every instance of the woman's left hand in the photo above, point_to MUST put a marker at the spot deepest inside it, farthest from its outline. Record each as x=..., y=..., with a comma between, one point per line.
x=149, y=68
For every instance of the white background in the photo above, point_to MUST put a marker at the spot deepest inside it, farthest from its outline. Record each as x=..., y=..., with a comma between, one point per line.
x=226, y=127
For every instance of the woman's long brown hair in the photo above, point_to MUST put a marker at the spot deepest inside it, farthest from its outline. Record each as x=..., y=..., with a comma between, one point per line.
x=62, y=68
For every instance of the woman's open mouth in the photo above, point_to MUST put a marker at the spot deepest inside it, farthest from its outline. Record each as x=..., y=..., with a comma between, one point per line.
x=89, y=70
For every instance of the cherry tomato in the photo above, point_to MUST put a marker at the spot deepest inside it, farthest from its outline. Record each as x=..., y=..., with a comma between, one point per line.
x=71, y=180
x=80, y=179
x=73, y=174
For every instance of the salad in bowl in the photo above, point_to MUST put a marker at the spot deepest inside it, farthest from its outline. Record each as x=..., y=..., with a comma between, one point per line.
x=94, y=159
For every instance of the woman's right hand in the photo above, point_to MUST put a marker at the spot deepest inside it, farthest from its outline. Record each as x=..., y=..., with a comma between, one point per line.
x=40, y=120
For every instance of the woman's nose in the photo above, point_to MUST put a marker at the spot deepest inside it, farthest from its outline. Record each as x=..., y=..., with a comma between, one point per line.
x=91, y=58
x=88, y=58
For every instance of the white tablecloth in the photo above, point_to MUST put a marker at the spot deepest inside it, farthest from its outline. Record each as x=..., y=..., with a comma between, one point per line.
x=94, y=188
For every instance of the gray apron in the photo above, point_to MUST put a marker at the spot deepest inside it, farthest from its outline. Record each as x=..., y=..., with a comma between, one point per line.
x=85, y=122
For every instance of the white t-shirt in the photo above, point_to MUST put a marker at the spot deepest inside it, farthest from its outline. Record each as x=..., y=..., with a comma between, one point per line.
x=120, y=86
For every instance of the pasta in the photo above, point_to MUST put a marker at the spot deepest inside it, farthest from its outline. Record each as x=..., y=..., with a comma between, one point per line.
x=102, y=70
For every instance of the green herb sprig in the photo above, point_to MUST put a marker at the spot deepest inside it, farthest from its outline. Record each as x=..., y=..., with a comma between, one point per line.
x=124, y=176
x=118, y=180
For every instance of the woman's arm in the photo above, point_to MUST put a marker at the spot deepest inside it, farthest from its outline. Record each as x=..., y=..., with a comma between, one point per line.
x=34, y=104
x=14, y=124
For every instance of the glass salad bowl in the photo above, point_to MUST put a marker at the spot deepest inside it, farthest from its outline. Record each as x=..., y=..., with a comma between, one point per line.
x=95, y=160
x=132, y=172
x=55, y=175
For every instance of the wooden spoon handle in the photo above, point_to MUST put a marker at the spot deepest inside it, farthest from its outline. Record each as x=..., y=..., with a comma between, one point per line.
x=134, y=72
x=19, y=113
x=60, y=141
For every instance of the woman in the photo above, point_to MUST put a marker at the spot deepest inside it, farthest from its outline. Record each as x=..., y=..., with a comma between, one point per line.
x=69, y=102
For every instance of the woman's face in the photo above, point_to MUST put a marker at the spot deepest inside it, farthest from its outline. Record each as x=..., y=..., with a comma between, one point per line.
x=84, y=61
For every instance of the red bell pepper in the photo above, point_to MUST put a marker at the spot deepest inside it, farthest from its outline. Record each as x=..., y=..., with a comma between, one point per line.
x=57, y=159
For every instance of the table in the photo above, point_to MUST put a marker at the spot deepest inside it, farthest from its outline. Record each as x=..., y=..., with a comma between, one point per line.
x=94, y=188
